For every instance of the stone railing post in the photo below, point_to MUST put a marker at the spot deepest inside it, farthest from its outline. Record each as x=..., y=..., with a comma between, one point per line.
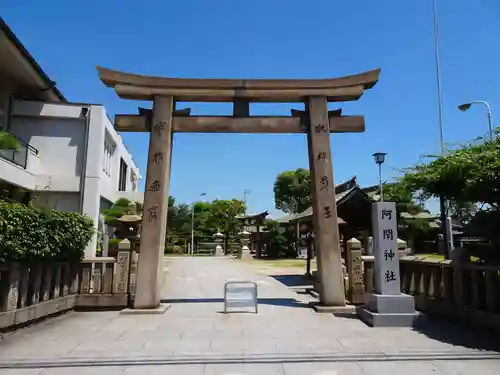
x=369, y=246
x=122, y=270
x=9, y=291
x=35, y=283
x=355, y=267
x=24, y=275
x=368, y=273
x=46, y=282
x=134, y=260
x=402, y=248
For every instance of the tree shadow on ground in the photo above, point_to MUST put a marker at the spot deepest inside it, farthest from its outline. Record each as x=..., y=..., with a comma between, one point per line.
x=284, y=302
x=458, y=334
x=294, y=281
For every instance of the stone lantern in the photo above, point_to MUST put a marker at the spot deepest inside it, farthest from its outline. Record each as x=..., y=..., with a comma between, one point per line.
x=129, y=225
x=218, y=239
x=245, y=239
x=128, y=228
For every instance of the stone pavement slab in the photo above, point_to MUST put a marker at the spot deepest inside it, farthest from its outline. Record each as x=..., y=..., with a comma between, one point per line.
x=194, y=336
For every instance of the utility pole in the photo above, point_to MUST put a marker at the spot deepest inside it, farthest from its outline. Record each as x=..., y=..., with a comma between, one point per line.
x=245, y=193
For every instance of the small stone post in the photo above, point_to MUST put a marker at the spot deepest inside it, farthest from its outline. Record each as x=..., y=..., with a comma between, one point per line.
x=10, y=289
x=355, y=268
x=122, y=268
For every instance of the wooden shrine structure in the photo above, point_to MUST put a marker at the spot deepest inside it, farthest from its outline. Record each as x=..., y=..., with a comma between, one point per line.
x=164, y=120
x=254, y=224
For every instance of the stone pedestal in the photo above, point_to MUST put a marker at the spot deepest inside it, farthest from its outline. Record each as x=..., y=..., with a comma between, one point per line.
x=389, y=311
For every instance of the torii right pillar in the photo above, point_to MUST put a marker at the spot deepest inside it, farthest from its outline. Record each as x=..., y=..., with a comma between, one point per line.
x=327, y=239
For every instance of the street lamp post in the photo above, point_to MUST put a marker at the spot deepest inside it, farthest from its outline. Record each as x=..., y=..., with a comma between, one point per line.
x=192, y=224
x=446, y=222
x=379, y=158
x=464, y=107
x=245, y=193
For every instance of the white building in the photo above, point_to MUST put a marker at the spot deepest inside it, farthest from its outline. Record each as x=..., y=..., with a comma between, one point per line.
x=70, y=157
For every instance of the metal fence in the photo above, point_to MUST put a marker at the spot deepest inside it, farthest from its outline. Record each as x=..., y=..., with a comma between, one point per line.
x=17, y=156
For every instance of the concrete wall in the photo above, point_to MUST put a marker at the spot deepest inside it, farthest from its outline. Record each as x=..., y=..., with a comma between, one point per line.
x=61, y=146
x=17, y=175
x=67, y=202
x=110, y=182
x=70, y=140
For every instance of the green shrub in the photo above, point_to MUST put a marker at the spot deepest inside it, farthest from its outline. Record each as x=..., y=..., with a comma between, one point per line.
x=8, y=141
x=28, y=234
x=114, y=242
x=68, y=234
x=23, y=235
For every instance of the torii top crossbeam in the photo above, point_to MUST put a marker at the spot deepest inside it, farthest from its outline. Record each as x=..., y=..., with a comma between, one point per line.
x=139, y=87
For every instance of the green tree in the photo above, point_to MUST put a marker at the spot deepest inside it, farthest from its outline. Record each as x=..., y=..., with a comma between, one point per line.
x=469, y=174
x=118, y=209
x=280, y=241
x=224, y=214
x=292, y=191
x=178, y=220
x=469, y=177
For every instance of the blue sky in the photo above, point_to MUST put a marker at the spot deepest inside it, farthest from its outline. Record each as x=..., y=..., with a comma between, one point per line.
x=278, y=39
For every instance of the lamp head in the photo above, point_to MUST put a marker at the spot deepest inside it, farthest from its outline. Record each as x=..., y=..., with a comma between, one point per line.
x=379, y=157
x=464, y=107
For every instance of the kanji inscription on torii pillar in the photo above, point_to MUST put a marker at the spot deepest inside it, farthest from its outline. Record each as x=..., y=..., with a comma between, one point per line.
x=150, y=267
x=327, y=238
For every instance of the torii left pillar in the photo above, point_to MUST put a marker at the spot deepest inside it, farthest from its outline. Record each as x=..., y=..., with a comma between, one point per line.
x=154, y=220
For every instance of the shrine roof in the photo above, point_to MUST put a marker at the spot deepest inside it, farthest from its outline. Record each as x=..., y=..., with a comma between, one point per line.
x=340, y=198
x=141, y=87
x=257, y=215
x=342, y=190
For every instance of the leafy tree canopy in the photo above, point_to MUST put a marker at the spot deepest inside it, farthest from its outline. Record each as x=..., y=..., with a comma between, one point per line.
x=118, y=209
x=292, y=191
x=468, y=174
x=218, y=214
x=469, y=178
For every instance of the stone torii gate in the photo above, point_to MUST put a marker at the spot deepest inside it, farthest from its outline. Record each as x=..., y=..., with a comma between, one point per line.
x=164, y=120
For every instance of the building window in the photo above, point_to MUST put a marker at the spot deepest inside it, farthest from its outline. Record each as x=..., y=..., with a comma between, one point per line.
x=108, y=156
x=133, y=180
x=122, y=181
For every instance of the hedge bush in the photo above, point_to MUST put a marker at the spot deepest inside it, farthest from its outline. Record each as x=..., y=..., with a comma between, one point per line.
x=28, y=234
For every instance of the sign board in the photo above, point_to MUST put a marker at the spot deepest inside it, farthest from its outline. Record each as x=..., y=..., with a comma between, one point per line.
x=240, y=295
x=385, y=237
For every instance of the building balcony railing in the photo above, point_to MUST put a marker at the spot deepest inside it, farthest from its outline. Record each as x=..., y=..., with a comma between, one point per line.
x=18, y=155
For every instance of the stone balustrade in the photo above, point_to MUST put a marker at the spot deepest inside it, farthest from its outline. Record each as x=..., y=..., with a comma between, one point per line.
x=31, y=292
x=469, y=292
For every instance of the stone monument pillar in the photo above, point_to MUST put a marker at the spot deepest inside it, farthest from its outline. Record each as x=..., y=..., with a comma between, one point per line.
x=154, y=221
x=327, y=238
x=388, y=307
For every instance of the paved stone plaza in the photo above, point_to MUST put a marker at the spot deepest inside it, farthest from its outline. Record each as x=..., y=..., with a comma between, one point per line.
x=285, y=337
